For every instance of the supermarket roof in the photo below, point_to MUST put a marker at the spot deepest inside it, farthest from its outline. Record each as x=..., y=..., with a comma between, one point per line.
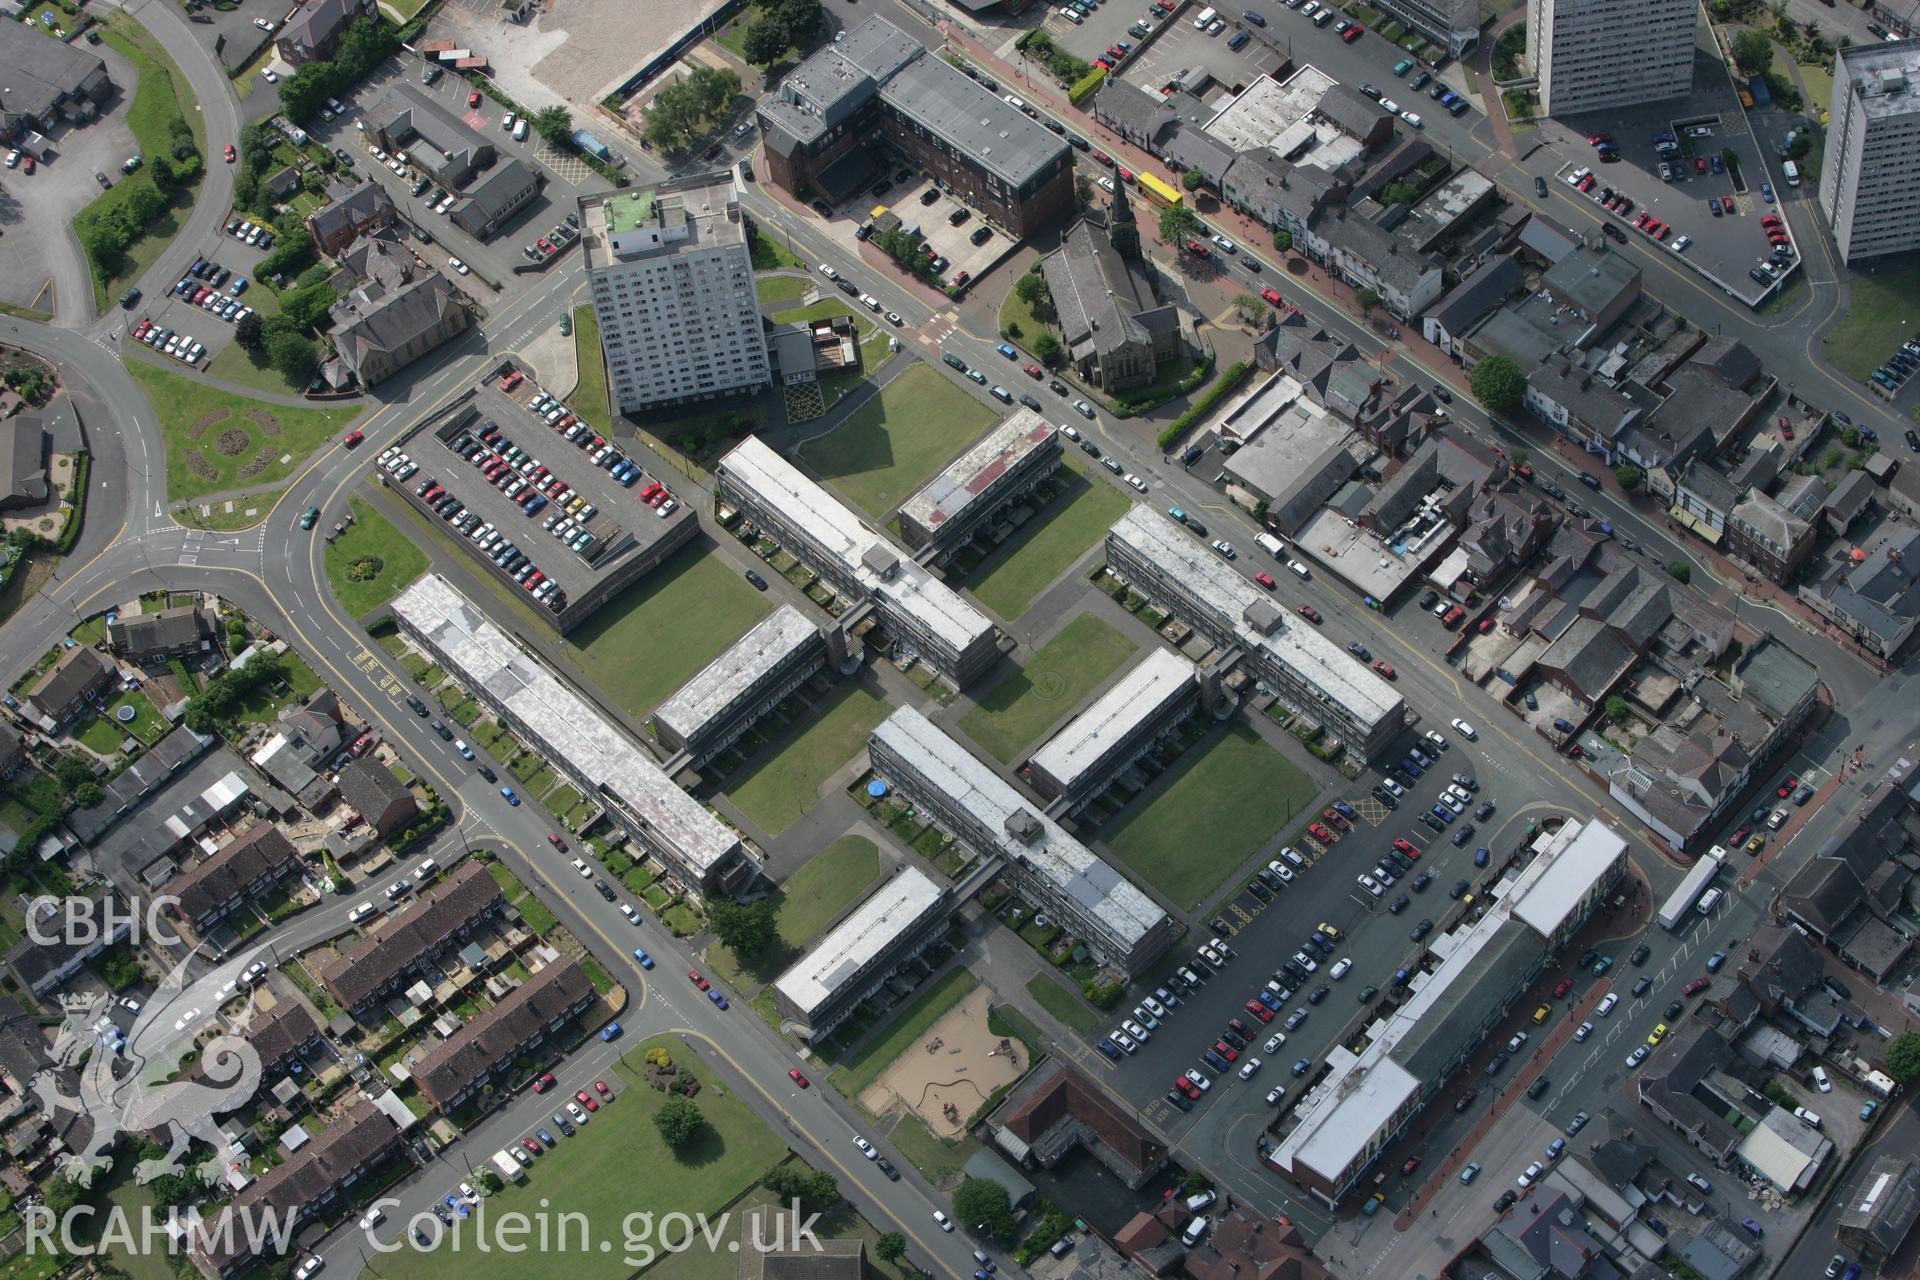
x=1051, y=854
x=565, y=724
x=884, y=569
x=876, y=924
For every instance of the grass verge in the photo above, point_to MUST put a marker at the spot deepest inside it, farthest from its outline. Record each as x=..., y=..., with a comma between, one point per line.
x=590, y=398
x=892, y=444
x=1063, y=1004
x=781, y=785
x=370, y=563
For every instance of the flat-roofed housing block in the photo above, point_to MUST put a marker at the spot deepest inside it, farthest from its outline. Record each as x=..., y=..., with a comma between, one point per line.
x=1308, y=671
x=574, y=738
x=1003, y=467
x=899, y=920
x=1084, y=758
x=709, y=712
x=857, y=562
x=1120, y=924
x=1484, y=964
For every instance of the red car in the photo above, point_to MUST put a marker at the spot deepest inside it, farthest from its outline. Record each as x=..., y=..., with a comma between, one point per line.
x=1032, y=371
x=1788, y=783
x=1699, y=164
x=26, y=163
x=697, y=980
x=1486, y=625
x=361, y=745
x=1413, y=1162
x=1693, y=985
x=1308, y=612
x=1264, y=579
x=229, y=153
x=585, y=1099
x=600, y=1087
x=473, y=99
x=1596, y=139
x=960, y=278
x=1334, y=819
x=1198, y=250
x=1384, y=667
x=1187, y=1087
x=1226, y=1050
x=1272, y=296
x=1452, y=617
x=1740, y=836
x=1259, y=1011
x=793, y=1074
x=1770, y=220
x=556, y=842
x=1561, y=987
x=1102, y=157
x=1320, y=833
x=1353, y=33
x=352, y=438
x=1404, y=845
x=544, y=1083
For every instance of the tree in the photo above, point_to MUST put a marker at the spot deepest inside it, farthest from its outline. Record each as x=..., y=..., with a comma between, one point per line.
x=749, y=928
x=160, y=173
x=1031, y=289
x=1618, y=711
x=1498, y=384
x=1801, y=144
x=1628, y=477
x=1179, y=224
x=1903, y=1057
x=801, y=20
x=1248, y=305
x=87, y=795
x=491, y=1184
x=766, y=40
x=304, y=308
x=1367, y=298
x=1752, y=51
x=982, y=1207
x=71, y=773
x=1283, y=241
x=890, y=1247
x=1520, y=457
x=292, y=357
x=1399, y=193
x=1680, y=571
x=1048, y=351
x=679, y=1121
x=555, y=124
x=1193, y=180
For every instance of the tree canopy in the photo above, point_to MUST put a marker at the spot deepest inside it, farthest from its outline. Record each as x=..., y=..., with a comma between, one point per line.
x=982, y=1207
x=1903, y=1057
x=679, y=1121
x=1498, y=384
x=748, y=928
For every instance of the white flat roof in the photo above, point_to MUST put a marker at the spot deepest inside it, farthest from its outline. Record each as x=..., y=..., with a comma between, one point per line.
x=565, y=725
x=1294, y=644
x=771, y=642
x=888, y=913
x=1161, y=677
x=832, y=525
x=1075, y=870
x=964, y=479
x=1362, y=1093
x=1270, y=113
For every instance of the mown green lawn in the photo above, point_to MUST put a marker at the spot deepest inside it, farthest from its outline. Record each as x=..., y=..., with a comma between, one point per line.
x=780, y=785
x=1028, y=563
x=618, y=1166
x=815, y=894
x=217, y=440
x=1062, y=1003
x=590, y=398
x=896, y=441
x=1046, y=686
x=1880, y=316
x=1215, y=810
x=662, y=630
x=371, y=562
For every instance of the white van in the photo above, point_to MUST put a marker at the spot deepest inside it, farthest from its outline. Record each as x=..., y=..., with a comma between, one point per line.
x=1206, y=15
x=1708, y=901
x=520, y=131
x=1198, y=1227
x=1792, y=172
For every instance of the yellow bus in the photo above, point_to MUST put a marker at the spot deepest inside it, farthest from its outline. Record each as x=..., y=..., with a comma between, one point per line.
x=1160, y=193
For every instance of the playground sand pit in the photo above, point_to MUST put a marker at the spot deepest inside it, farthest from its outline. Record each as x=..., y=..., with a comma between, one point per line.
x=950, y=1071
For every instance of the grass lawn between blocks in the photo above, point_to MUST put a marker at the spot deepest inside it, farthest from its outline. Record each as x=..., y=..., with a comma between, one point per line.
x=785, y=782
x=1048, y=685
x=815, y=894
x=662, y=630
x=590, y=398
x=892, y=444
x=781, y=288
x=371, y=540
x=196, y=421
x=1062, y=1003
x=1880, y=316
x=1213, y=811
x=854, y=1072
x=618, y=1165
x=1028, y=562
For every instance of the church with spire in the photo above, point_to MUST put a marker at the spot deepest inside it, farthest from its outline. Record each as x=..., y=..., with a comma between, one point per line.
x=1120, y=319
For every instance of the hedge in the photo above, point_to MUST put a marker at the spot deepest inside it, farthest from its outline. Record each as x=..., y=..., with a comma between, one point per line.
x=1231, y=378
x=1083, y=87
x=70, y=533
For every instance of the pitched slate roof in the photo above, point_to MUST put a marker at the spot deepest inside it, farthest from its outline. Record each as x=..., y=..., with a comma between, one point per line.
x=259, y=852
